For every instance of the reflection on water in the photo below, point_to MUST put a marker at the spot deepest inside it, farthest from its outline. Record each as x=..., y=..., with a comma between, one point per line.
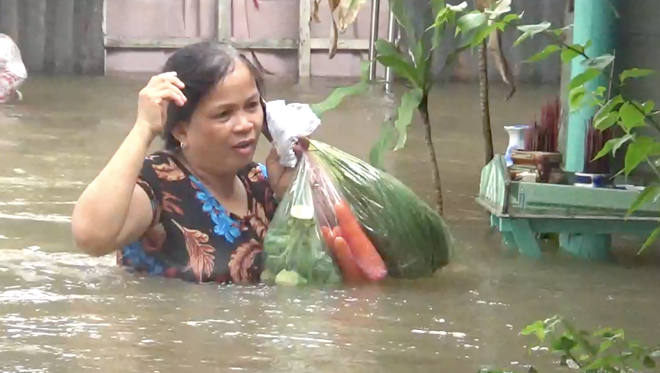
x=61, y=311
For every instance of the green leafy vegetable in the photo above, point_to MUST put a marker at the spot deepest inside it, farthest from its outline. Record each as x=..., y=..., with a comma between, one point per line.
x=294, y=251
x=411, y=237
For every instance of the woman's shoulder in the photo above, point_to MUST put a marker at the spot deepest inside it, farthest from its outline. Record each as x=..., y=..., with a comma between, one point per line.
x=159, y=157
x=162, y=166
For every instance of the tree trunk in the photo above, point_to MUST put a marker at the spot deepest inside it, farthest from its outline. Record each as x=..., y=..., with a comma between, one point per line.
x=424, y=113
x=485, y=105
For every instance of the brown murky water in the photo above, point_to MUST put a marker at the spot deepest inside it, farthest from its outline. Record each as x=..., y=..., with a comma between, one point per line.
x=61, y=311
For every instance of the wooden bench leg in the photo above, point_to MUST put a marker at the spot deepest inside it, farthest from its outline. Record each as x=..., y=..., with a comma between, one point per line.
x=525, y=238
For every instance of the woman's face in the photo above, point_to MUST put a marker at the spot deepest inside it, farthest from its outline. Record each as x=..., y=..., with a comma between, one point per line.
x=222, y=135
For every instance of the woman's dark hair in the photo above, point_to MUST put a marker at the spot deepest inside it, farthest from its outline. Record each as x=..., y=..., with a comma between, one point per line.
x=200, y=67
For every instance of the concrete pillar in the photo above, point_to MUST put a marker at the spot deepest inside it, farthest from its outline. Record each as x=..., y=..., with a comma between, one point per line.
x=597, y=21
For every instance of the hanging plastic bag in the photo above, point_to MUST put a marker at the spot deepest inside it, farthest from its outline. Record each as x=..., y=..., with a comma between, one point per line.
x=412, y=238
x=315, y=238
x=294, y=251
x=286, y=123
x=12, y=69
x=391, y=230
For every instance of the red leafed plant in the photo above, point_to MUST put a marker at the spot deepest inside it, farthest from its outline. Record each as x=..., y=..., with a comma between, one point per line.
x=594, y=142
x=543, y=136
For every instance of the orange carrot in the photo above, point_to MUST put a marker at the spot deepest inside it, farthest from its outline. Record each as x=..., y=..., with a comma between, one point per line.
x=350, y=271
x=337, y=231
x=328, y=236
x=363, y=250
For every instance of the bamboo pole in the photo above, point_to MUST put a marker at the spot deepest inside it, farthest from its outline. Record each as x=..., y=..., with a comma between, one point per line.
x=304, y=37
x=224, y=21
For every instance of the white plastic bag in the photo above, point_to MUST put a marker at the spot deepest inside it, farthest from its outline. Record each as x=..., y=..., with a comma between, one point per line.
x=287, y=122
x=12, y=70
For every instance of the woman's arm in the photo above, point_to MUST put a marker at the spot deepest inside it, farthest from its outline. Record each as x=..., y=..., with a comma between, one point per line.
x=113, y=210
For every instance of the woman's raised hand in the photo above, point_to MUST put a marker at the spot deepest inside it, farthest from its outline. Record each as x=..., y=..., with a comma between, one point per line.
x=154, y=98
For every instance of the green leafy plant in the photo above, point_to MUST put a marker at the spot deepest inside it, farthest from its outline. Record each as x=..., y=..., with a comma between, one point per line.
x=613, y=111
x=414, y=66
x=606, y=350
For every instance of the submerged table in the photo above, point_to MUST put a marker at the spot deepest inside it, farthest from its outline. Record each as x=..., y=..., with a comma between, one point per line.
x=585, y=218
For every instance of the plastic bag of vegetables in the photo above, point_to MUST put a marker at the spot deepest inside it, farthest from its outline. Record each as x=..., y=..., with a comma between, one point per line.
x=314, y=237
x=342, y=213
x=410, y=236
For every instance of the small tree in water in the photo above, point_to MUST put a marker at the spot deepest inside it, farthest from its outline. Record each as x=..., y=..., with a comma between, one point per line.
x=415, y=66
x=605, y=350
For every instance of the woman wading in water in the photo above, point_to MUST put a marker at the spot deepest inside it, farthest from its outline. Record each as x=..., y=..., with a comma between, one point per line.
x=199, y=209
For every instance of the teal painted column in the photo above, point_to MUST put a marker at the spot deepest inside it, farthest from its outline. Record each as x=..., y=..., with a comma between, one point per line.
x=597, y=21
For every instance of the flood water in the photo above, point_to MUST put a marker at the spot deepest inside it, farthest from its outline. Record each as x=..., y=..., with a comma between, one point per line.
x=61, y=311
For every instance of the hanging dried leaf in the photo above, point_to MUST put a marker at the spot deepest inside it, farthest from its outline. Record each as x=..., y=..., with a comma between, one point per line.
x=348, y=12
x=343, y=14
x=495, y=41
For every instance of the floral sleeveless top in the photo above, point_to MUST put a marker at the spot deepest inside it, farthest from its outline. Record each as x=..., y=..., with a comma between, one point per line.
x=192, y=236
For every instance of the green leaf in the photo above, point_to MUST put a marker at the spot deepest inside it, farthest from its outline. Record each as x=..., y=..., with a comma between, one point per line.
x=591, y=101
x=607, y=121
x=605, y=346
x=531, y=30
x=648, y=107
x=599, y=62
x=621, y=141
x=608, y=107
x=409, y=102
x=384, y=144
x=612, y=146
x=482, y=34
x=420, y=62
x=648, y=362
x=576, y=96
x=583, y=78
x=470, y=21
x=441, y=20
x=631, y=117
x=400, y=12
x=337, y=96
x=649, y=241
x=634, y=73
x=545, y=53
x=649, y=194
x=512, y=17
x=570, y=52
x=534, y=29
x=637, y=152
x=600, y=91
x=402, y=68
x=385, y=48
x=538, y=328
x=563, y=344
x=610, y=334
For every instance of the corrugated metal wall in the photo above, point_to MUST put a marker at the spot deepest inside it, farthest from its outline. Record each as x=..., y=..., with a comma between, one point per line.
x=57, y=36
